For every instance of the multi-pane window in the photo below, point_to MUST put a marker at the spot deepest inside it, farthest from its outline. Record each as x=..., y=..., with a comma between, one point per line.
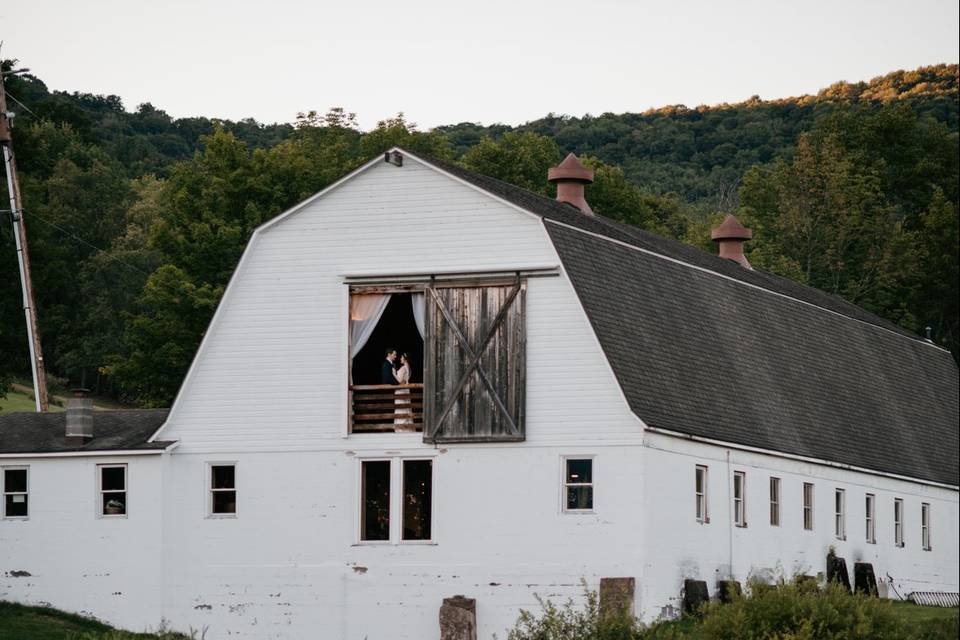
x=840, y=514
x=775, y=502
x=808, y=506
x=700, y=489
x=740, y=498
x=925, y=526
x=112, y=479
x=415, y=501
x=578, y=484
x=871, y=518
x=15, y=492
x=898, y=522
x=223, y=489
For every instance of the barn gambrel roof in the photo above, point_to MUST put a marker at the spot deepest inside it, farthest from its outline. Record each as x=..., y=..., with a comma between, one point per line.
x=703, y=347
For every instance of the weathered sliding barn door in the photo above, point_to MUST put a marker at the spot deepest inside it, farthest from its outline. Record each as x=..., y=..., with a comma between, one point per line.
x=475, y=373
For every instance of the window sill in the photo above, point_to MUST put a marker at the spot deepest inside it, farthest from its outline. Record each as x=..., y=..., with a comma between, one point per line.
x=703, y=521
x=221, y=516
x=15, y=518
x=579, y=512
x=871, y=542
x=112, y=516
x=740, y=526
x=841, y=538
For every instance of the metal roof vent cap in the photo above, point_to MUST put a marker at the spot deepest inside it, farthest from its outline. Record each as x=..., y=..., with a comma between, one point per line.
x=571, y=177
x=731, y=235
x=79, y=418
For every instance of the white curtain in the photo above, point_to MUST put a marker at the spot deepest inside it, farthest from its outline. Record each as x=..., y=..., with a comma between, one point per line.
x=419, y=302
x=365, y=312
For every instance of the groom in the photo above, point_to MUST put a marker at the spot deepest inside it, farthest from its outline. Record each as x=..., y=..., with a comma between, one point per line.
x=388, y=366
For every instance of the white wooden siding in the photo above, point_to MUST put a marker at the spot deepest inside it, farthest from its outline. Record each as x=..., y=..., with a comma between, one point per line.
x=67, y=556
x=678, y=547
x=272, y=373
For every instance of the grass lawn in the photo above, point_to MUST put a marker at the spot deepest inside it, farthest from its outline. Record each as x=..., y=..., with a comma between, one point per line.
x=16, y=401
x=929, y=622
x=18, y=622
x=925, y=615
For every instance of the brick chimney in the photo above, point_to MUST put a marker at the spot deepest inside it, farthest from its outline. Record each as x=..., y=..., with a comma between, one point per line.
x=571, y=177
x=79, y=418
x=731, y=235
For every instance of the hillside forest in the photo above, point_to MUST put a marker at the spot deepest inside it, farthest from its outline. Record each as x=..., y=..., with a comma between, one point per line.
x=136, y=220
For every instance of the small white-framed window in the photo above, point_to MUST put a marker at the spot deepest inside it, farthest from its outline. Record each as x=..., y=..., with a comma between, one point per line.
x=840, y=514
x=577, y=484
x=740, y=498
x=871, y=518
x=925, y=538
x=112, y=490
x=700, y=491
x=16, y=492
x=898, y=522
x=808, y=506
x=222, y=489
x=774, y=501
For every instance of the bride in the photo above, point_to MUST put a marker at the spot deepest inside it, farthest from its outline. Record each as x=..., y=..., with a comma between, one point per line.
x=404, y=417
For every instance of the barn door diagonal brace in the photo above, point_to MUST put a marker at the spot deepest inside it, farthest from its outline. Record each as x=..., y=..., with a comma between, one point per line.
x=474, y=357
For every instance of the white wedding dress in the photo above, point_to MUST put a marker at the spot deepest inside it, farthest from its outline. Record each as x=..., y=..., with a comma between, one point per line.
x=404, y=417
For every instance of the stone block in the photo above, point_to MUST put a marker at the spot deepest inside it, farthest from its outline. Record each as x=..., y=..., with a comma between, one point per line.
x=695, y=594
x=837, y=571
x=864, y=580
x=458, y=619
x=727, y=590
x=617, y=596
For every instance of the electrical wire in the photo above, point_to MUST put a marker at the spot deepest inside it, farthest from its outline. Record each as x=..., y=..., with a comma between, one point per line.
x=11, y=96
x=82, y=241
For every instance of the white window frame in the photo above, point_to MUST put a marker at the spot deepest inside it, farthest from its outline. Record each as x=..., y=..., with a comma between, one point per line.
x=102, y=493
x=209, y=490
x=564, y=484
x=395, y=537
x=740, y=501
x=808, y=508
x=926, y=539
x=898, y=522
x=700, y=498
x=3, y=479
x=775, y=488
x=870, y=517
x=840, y=513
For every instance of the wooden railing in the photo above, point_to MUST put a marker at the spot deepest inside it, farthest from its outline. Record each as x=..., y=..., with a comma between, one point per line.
x=386, y=407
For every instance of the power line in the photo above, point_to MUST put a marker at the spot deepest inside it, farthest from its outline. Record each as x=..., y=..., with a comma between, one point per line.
x=11, y=96
x=82, y=241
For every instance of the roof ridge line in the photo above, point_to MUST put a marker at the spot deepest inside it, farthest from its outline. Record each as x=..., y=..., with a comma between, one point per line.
x=741, y=282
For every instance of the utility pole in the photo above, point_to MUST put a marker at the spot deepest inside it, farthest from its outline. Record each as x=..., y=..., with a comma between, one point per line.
x=23, y=256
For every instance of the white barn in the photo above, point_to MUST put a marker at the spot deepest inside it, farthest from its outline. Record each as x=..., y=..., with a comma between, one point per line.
x=588, y=400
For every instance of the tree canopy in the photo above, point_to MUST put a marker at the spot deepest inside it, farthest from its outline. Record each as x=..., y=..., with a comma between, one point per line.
x=137, y=220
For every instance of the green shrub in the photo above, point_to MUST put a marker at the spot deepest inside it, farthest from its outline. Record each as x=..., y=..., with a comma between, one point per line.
x=797, y=611
x=572, y=622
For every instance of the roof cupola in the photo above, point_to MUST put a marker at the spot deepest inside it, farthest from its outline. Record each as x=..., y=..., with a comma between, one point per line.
x=730, y=236
x=571, y=177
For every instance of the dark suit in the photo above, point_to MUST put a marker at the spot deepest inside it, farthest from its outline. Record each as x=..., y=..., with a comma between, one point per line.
x=386, y=373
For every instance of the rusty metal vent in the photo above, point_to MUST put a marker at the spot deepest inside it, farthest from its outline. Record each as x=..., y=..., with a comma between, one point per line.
x=935, y=598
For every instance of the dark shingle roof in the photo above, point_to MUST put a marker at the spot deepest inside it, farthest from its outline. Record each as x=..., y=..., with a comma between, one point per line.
x=25, y=432
x=776, y=365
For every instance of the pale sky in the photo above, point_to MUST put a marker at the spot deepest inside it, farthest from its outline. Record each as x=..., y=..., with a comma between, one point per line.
x=445, y=61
